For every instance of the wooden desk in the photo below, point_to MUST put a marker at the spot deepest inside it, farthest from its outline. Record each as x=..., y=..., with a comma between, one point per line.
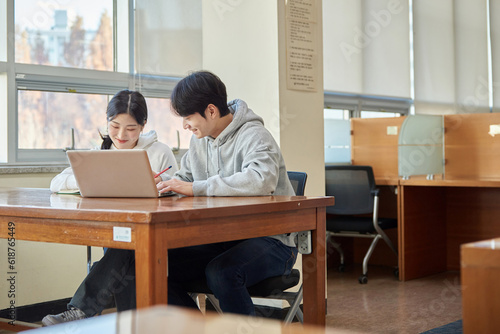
x=174, y=320
x=437, y=216
x=480, y=288
x=155, y=225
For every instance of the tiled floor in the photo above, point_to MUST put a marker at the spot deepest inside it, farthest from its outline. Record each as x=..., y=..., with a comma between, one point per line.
x=385, y=305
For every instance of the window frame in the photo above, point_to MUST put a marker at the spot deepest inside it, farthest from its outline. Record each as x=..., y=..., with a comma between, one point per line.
x=356, y=103
x=67, y=80
x=71, y=80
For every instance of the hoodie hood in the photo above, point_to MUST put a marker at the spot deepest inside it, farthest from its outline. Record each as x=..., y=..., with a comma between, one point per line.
x=241, y=116
x=146, y=140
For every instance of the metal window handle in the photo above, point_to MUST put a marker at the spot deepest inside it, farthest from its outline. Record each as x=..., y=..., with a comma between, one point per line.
x=73, y=140
x=176, y=149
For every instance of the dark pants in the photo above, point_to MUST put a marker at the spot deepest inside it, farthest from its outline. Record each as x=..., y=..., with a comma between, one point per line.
x=228, y=267
x=112, y=276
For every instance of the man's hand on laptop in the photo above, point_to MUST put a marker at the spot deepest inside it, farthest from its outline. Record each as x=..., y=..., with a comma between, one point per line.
x=175, y=185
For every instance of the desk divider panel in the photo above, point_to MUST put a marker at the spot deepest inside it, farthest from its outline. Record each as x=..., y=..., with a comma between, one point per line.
x=374, y=142
x=472, y=146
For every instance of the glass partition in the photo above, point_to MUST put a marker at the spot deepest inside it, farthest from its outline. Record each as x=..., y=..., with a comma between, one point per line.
x=420, y=149
x=337, y=141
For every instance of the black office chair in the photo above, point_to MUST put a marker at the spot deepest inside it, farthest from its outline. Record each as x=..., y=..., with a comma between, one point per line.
x=355, y=194
x=272, y=287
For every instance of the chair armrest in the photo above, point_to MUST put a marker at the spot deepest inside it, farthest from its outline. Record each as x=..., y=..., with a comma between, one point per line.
x=374, y=193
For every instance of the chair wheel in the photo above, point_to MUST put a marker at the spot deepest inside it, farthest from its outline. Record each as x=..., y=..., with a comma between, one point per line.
x=396, y=272
x=363, y=279
x=341, y=268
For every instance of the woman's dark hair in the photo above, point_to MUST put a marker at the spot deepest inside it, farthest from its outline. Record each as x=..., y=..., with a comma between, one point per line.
x=125, y=102
x=195, y=92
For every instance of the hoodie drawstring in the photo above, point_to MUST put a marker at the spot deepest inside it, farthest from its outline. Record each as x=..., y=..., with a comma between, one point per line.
x=218, y=160
x=206, y=165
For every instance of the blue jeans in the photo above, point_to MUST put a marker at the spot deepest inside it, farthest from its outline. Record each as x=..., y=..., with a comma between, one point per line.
x=229, y=268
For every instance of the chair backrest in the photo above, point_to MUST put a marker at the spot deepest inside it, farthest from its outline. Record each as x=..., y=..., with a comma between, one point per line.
x=352, y=187
x=298, y=180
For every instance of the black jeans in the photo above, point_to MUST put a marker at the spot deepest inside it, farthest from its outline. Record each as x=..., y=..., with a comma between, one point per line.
x=228, y=267
x=112, y=276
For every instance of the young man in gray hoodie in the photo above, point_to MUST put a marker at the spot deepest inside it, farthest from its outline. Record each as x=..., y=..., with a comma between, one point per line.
x=231, y=153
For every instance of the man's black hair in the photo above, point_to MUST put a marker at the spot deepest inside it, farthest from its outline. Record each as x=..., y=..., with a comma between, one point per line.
x=195, y=92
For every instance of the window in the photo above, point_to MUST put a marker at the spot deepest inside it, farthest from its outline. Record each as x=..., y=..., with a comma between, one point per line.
x=3, y=30
x=359, y=105
x=421, y=51
x=178, y=25
x=65, y=33
x=366, y=49
x=378, y=114
x=166, y=124
x=71, y=57
x=81, y=117
x=336, y=114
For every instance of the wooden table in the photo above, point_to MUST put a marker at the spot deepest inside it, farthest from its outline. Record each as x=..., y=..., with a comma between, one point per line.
x=155, y=225
x=480, y=288
x=174, y=320
x=437, y=216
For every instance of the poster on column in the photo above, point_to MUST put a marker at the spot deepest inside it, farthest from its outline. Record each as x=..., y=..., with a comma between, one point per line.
x=301, y=45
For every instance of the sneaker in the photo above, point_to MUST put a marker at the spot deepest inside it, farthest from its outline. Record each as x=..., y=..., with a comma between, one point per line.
x=70, y=315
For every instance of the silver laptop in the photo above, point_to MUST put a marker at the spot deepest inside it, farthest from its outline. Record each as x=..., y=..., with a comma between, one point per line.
x=113, y=173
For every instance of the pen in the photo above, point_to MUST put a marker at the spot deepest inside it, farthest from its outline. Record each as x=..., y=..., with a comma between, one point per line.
x=163, y=171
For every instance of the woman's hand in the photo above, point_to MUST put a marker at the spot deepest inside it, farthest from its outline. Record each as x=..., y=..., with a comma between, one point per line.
x=175, y=185
x=157, y=179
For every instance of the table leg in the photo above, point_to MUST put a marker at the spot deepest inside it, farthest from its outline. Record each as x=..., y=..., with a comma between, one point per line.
x=151, y=266
x=422, y=231
x=314, y=274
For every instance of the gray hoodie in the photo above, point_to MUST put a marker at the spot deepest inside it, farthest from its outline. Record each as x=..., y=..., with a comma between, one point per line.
x=244, y=160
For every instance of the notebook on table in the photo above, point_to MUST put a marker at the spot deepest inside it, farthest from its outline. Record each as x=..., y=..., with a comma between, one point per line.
x=113, y=173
